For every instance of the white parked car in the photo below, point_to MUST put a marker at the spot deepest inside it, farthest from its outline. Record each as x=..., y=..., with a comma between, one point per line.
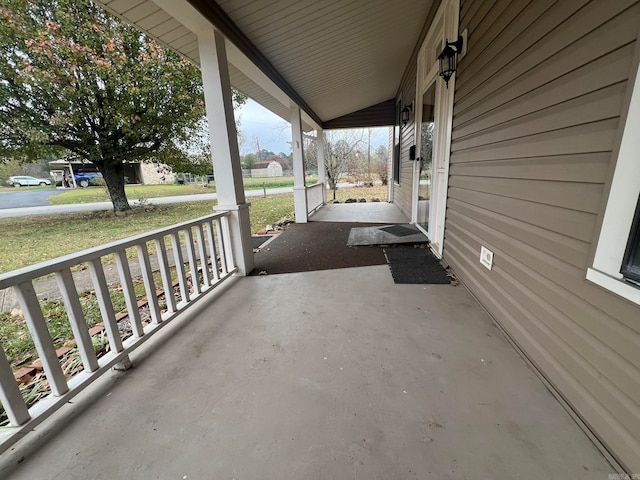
x=26, y=181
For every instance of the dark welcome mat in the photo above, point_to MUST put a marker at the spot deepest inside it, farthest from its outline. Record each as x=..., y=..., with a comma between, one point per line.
x=415, y=265
x=400, y=231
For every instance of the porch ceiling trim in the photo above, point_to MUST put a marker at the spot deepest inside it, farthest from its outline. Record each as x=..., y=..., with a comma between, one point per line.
x=220, y=20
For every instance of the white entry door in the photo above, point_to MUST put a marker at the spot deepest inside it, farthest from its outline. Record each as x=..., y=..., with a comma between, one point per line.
x=434, y=111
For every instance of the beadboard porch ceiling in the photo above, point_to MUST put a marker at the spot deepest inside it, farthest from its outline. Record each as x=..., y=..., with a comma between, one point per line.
x=332, y=57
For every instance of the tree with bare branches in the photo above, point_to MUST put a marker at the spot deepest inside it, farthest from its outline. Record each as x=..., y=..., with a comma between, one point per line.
x=341, y=148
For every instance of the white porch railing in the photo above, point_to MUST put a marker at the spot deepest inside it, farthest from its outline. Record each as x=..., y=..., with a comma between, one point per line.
x=315, y=196
x=209, y=261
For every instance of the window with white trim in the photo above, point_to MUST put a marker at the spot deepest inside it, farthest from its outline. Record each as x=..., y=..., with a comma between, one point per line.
x=616, y=264
x=631, y=264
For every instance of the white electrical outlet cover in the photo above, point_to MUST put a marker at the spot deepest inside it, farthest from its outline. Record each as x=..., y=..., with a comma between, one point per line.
x=486, y=257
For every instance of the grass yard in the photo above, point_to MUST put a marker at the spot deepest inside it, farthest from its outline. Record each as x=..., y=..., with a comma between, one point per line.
x=29, y=240
x=368, y=193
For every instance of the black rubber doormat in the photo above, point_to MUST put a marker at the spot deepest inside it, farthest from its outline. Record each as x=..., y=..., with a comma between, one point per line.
x=415, y=266
x=400, y=231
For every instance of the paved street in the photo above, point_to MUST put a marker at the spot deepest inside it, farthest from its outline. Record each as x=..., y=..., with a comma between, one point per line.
x=21, y=198
x=44, y=208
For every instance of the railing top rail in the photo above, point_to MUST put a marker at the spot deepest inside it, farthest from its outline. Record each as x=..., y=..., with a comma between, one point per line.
x=30, y=272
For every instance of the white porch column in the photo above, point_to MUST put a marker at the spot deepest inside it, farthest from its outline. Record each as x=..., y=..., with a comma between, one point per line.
x=224, y=145
x=322, y=173
x=299, y=189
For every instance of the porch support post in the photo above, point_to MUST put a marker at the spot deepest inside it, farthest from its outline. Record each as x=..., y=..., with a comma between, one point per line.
x=322, y=174
x=224, y=145
x=299, y=189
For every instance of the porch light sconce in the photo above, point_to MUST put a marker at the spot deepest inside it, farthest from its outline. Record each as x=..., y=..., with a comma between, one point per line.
x=448, y=58
x=405, y=113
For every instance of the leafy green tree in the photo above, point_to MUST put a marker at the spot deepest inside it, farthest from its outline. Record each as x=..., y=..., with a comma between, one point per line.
x=76, y=80
x=249, y=160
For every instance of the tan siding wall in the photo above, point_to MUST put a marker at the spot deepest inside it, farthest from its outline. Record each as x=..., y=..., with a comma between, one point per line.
x=536, y=117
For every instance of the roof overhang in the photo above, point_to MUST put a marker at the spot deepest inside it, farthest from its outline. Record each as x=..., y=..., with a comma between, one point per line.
x=338, y=61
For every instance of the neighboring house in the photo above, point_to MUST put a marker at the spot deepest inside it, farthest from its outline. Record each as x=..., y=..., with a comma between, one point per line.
x=266, y=169
x=531, y=175
x=135, y=172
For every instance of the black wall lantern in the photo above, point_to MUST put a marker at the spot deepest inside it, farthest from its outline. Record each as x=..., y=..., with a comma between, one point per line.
x=448, y=58
x=405, y=113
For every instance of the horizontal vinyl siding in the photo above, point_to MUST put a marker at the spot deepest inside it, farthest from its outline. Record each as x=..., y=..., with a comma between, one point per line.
x=536, y=117
x=404, y=191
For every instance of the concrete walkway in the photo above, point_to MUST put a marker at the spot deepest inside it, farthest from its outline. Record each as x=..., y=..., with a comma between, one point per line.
x=323, y=375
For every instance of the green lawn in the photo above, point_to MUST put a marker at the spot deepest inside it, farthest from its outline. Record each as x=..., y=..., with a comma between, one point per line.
x=29, y=240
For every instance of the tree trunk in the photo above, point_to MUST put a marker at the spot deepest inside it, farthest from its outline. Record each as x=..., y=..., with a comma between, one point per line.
x=332, y=183
x=113, y=174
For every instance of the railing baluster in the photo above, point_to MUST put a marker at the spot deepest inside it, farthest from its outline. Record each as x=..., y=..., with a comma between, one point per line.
x=193, y=264
x=226, y=238
x=212, y=250
x=129, y=292
x=149, y=284
x=10, y=395
x=179, y=262
x=163, y=261
x=104, y=302
x=41, y=338
x=222, y=247
x=77, y=320
x=202, y=250
x=22, y=281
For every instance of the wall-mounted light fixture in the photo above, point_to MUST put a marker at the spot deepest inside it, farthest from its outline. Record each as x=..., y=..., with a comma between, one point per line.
x=448, y=58
x=406, y=111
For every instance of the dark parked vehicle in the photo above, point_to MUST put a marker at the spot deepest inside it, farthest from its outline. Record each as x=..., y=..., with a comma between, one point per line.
x=84, y=179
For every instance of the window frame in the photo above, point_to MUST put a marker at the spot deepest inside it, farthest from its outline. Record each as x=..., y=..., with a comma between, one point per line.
x=620, y=216
x=629, y=270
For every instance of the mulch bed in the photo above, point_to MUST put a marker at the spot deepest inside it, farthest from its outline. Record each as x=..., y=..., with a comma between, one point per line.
x=315, y=246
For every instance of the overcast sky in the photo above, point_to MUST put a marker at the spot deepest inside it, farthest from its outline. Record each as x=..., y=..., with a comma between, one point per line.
x=272, y=131
x=275, y=134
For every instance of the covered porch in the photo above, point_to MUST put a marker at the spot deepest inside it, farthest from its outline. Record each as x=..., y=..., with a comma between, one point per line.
x=342, y=373
x=327, y=374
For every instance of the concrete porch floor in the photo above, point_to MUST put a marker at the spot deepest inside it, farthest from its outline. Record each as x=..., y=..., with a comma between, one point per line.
x=370, y=212
x=330, y=374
